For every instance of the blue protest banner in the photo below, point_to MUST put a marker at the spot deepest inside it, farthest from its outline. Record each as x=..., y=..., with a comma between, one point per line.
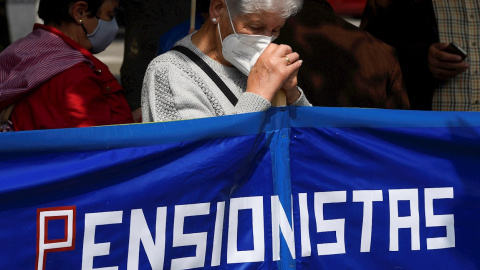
x=387, y=189
x=304, y=188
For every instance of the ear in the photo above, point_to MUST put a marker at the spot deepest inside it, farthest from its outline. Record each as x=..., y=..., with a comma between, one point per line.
x=217, y=8
x=78, y=11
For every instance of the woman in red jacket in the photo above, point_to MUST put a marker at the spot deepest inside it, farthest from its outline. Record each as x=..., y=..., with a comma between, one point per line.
x=50, y=77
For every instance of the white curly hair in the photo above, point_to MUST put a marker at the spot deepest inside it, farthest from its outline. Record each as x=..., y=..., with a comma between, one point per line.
x=284, y=8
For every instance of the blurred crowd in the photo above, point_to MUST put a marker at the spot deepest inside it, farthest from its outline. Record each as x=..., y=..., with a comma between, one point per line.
x=235, y=57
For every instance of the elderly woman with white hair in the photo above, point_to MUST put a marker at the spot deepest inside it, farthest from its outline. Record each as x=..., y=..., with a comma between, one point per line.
x=229, y=66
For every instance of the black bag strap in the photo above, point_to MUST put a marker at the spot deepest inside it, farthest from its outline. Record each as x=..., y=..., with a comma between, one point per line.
x=209, y=71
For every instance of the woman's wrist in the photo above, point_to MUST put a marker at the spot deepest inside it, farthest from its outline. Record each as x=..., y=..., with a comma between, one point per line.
x=293, y=95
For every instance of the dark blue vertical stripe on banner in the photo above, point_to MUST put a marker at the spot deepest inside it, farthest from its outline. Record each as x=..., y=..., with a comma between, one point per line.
x=279, y=147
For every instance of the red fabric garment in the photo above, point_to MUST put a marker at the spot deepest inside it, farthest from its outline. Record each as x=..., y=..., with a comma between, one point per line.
x=77, y=97
x=34, y=59
x=86, y=94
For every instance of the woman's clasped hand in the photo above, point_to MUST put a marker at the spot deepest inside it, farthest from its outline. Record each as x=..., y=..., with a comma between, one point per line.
x=276, y=69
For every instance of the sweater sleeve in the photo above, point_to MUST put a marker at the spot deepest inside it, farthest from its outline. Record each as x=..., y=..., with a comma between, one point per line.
x=250, y=102
x=170, y=94
x=302, y=100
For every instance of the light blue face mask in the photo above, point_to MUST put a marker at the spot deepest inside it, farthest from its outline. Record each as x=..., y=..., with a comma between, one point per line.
x=103, y=35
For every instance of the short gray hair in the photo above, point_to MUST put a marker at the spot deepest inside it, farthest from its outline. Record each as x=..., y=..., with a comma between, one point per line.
x=284, y=8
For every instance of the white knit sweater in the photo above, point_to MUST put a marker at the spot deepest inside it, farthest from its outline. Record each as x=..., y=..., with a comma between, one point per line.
x=175, y=88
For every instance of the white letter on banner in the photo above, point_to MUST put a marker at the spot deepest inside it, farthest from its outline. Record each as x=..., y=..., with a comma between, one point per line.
x=258, y=252
x=280, y=221
x=45, y=245
x=304, y=225
x=334, y=225
x=412, y=221
x=218, y=234
x=367, y=197
x=139, y=232
x=90, y=249
x=433, y=220
x=193, y=239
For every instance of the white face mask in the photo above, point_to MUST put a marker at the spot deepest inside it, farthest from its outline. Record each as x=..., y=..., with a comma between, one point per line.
x=242, y=50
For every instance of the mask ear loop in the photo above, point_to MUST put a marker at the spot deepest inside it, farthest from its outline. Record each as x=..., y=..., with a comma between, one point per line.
x=220, y=33
x=83, y=27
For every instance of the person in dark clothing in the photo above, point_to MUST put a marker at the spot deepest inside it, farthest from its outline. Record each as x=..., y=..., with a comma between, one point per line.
x=411, y=37
x=343, y=66
x=421, y=30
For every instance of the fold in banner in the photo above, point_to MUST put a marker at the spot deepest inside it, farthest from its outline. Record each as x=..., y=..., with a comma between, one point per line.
x=290, y=188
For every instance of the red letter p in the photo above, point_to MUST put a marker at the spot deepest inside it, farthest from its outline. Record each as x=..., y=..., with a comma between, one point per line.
x=44, y=244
